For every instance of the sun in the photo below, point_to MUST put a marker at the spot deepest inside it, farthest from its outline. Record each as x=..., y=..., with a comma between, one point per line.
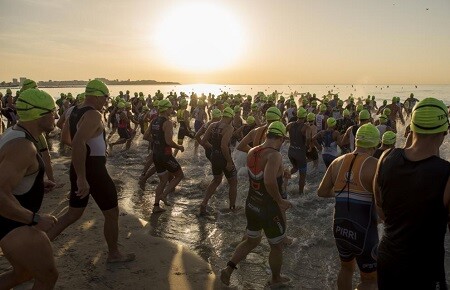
x=199, y=37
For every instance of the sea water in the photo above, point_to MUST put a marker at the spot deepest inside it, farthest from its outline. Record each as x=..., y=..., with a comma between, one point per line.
x=312, y=261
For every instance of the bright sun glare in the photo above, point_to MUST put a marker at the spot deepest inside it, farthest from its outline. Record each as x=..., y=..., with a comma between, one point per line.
x=199, y=37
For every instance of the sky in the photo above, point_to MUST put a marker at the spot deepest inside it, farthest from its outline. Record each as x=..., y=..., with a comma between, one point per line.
x=227, y=41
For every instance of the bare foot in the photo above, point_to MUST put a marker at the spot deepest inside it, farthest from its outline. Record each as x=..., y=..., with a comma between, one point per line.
x=121, y=258
x=158, y=209
x=275, y=284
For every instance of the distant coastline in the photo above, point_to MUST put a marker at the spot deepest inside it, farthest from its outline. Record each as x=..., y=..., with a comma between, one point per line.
x=82, y=83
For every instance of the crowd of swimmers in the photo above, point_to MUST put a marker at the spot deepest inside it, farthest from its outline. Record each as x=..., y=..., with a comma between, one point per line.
x=354, y=137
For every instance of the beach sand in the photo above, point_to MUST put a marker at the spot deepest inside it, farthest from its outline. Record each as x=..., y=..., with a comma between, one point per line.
x=80, y=251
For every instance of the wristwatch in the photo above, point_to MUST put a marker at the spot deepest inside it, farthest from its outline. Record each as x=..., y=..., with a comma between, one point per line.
x=36, y=218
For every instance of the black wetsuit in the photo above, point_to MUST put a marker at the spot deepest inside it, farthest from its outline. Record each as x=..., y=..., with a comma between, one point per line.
x=101, y=186
x=411, y=252
x=261, y=210
x=162, y=153
x=218, y=161
x=297, y=147
x=32, y=198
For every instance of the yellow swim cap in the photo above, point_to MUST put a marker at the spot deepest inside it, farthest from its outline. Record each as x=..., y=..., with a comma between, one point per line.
x=367, y=136
x=277, y=128
x=301, y=113
x=33, y=104
x=389, y=138
x=273, y=114
x=228, y=112
x=216, y=113
x=430, y=116
x=96, y=88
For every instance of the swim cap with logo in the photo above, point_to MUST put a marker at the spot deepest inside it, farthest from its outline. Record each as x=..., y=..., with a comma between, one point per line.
x=250, y=120
x=302, y=113
x=33, y=104
x=383, y=119
x=216, y=113
x=323, y=108
x=228, y=112
x=389, y=138
x=310, y=117
x=96, y=88
x=429, y=116
x=346, y=112
x=277, y=128
x=331, y=122
x=28, y=84
x=364, y=115
x=226, y=105
x=273, y=114
x=237, y=109
x=367, y=136
x=163, y=105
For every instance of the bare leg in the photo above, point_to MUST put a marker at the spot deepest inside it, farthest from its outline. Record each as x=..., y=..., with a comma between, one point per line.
x=368, y=281
x=345, y=275
x=111, y=232
x=159, y=191
x=210, y=191
x=71, y=216
x=301, y=181
x=232, y=192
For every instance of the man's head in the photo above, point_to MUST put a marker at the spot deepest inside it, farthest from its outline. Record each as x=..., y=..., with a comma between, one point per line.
x=165, y=107
x=96, y=94
x=430, y=116
x=276, y=131
x=273, y=114
x=367, y=137
x=389, y=138
x=37, y=107
x=228, y=114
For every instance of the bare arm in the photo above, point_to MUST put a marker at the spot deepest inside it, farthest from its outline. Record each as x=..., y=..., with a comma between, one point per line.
x=224, y=145
x=326, y=186
x=168, y=133
x=271, y=169
x=377, y=190
x=243, y=145
x=205, y=139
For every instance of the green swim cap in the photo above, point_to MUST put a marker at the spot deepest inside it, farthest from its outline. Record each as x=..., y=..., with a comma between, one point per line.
x=228, y=112
x=216, y=113
x=121, y=105
x=273, y=114
x=33, y=104
x=277, y=128
x=128, y=105
x=367, y=136
x=28, y=84
x=254, y=107
x=384, y=102
x=323, y=108
x=429, y=116
x=364, y=115
x=389, y=138
x=96, y=88
x=340, y=102
x=163, y=105
x=301, y=113
x=346, y=112
x=183, y=103
x=145, y=109
x=359, y=108
x=155, y=103
x=310, y=117
x=201, y=103
x=331, y=122
x=383, y=119
x=226, y=105
x=237, y=109
x=8, y=91
x=250, y=120
x=81, y=97
x=387, y=112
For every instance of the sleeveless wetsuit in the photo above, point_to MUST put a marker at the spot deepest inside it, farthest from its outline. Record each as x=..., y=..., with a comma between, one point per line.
x=30, y=190
x=101, y=185
x=297, y=147
x=182, y=130
x=355, y=218
x=122, y=127
x=162, y=153
x=261, y=210
x=218, y=161
x=411, y=252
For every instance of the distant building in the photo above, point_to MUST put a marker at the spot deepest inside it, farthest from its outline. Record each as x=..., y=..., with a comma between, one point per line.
x=22, y=80
x=14, y=81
